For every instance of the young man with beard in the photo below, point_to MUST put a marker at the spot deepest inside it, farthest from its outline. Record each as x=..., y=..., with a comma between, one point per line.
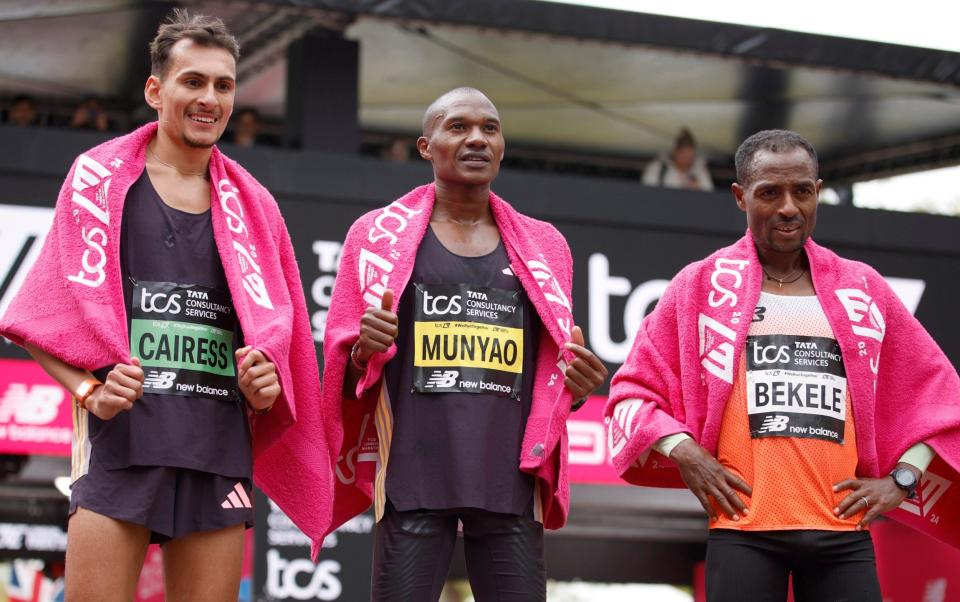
x=772, y=379
x=457, y=388
x=156, y=300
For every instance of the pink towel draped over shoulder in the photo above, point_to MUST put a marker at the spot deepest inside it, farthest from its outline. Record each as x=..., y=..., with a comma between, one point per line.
x=72, y=306
x=680, y=370
x=378, y=254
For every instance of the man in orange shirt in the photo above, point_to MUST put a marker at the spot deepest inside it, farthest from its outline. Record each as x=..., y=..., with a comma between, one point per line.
x=783, y=421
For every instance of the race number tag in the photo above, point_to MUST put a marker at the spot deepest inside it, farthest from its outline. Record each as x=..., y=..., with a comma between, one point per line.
x=796, y=387
x=467, y=339
x=183, y=335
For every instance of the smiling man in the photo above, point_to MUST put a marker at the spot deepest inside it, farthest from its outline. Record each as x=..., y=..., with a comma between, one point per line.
x=164, y=257
x=770, y=380
x=457, y=389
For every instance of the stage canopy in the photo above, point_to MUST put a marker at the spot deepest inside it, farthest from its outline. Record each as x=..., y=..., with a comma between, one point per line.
x=567, y=79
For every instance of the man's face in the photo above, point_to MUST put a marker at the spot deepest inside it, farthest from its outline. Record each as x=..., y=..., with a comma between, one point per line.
x=780, y=200
x=194, y=98
x=466, y=143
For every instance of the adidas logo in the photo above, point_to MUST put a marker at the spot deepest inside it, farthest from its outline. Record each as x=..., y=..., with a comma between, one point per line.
x=237, y=498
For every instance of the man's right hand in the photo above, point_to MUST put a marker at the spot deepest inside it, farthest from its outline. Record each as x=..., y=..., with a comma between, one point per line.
x=707, y=478
x=123, y=386
x=378, y=328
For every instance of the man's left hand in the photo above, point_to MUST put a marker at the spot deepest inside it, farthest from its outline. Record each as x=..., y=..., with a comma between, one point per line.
x=874, y=495
x=257, y=377
x=586, y=372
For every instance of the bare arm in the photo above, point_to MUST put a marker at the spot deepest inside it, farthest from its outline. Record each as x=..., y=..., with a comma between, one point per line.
x=68, y=376
x=123, y=386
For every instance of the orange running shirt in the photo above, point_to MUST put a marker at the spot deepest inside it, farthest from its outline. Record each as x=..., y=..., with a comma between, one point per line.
x=788, y=427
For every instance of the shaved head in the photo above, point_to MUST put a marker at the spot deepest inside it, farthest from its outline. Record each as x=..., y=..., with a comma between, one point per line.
x=438, y=108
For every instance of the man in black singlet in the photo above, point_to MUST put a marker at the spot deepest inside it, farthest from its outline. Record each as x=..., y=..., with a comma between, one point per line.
x=457, y=430
x=162, y=452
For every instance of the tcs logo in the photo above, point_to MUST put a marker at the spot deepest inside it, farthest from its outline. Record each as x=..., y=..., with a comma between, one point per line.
x=441, y=305
x=161, y=303
x=318, y=582
x=770, y=354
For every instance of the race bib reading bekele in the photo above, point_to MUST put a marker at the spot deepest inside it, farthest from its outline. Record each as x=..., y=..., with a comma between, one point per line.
x=467, y=339
x=796, y=387
x=183, y=335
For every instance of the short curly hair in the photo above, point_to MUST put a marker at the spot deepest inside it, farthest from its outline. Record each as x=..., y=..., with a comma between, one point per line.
x=775, y=141
x=181, y=25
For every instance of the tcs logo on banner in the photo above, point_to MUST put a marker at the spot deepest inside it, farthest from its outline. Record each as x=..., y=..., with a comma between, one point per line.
x=300, y=579
x=603, y=286
x=321, y=291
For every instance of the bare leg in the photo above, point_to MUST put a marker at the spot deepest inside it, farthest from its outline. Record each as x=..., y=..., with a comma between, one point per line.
x=104, y=558
x=204, y=566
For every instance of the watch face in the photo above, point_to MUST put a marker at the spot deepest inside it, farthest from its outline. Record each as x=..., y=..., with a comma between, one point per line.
x=904, y=478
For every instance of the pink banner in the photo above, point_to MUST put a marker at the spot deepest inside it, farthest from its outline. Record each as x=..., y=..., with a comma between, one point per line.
x=35, y=412
x=913, y=566
x=589, y=456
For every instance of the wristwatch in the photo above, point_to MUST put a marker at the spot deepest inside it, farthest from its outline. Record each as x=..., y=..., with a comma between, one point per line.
x=905, y=479
x=84, y=391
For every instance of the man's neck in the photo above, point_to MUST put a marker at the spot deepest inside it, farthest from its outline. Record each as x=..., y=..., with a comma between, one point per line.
x=786, y=273
x=782, y=264
x=185, y=159
x=462, y=204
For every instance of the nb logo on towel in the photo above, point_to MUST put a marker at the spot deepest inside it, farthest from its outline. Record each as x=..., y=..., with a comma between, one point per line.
x=159, y=380
x=442, y=380
x=867, y=321
x=716, y=349
x=931, y=489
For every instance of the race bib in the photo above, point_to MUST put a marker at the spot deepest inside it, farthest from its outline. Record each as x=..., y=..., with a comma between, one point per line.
x=467, y=339
x=796, y=387
x=183, y=335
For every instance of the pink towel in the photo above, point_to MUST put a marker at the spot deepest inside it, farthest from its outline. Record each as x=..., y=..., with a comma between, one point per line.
x=71, y=305
x=379, y=253
x=681, y=368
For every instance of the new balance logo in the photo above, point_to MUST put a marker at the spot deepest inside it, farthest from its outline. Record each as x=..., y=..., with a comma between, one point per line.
x=237, y=498
x=774, y=424
x=159, y=380
x=37, y=404
x=508, y=271
x=931, y=489
x=442, y=380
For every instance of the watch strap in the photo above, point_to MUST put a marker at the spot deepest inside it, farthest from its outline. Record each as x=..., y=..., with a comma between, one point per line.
x=84, y=390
